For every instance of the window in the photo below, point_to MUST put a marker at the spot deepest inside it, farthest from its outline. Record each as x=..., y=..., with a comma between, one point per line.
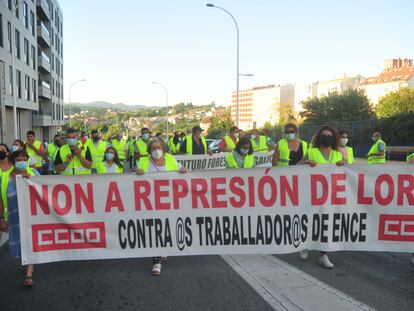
x=17, y=38
x=25, y=15
x=1, y=31
x=27, y=87
x=26, y=52
x=10, y=4
x=52, y=58
x=11, y=80
x=34, y=87
x=52, y=37
x=33, y=57
x=32, y=23
x=53, y=86
x=9, y=36
x=51, y=9
x=19, y=84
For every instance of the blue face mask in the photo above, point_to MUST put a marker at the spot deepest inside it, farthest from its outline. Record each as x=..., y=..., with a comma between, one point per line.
x=14, y=148
x=71, y=141
x=145, y=136
x=109, y=156
x=244, y=150
x=21, y=165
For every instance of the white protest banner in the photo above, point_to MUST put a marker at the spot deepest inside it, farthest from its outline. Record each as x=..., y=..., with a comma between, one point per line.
x=262, y=210
x=199, y=162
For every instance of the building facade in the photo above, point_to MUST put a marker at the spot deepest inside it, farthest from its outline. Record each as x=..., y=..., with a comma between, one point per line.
x=31, y=68
x=339, y=85
x=262, y=104
x=397, y=74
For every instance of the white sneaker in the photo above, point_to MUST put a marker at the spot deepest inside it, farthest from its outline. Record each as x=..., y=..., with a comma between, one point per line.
x=304, y=254
x=412, y=259
x=156, y=269
x=324, y=261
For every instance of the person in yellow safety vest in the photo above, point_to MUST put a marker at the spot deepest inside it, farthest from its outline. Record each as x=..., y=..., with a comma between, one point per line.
x=70, y=159
x=121, y=147
x=157, y=161
x=259, y=142
x=344, y=148
x=175, y=143
x=290, y=150
x=35, y=148
x=325, y=151
x=195, y=143
x=111, y=163
x=376, y=154
x=141, y=145
x=9, y=209
x=97, y=146
x=5, y=163
x=229, y=142
x=242, y=156
x=20, y=145
x=51, y=150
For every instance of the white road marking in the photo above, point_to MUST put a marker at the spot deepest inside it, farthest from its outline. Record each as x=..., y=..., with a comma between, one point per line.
x=285, y=287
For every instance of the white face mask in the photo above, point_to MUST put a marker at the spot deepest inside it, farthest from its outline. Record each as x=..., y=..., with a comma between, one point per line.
x=157, y=154
x=344, y=141
x=236, y=135
x=244, y=150
x=253, y=136
x=290, y=136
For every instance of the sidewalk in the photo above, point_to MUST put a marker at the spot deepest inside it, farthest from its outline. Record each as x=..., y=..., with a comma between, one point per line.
x=285, y=287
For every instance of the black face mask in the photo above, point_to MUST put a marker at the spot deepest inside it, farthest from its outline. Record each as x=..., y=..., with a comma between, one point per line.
x=326, y=140
x=3, y=155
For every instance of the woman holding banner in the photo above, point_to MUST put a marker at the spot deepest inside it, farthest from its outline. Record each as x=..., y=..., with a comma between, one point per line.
x=242, y=156
x=158, y=161
x=290, y=149
x=344, y=142
x=111, y=163
x=9, y=210
x=325, y=151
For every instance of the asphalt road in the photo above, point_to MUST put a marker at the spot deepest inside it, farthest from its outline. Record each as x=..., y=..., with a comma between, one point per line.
x=382, y=280
x=186, y=283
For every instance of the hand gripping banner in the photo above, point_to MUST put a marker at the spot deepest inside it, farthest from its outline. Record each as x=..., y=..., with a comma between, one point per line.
x=248, y=211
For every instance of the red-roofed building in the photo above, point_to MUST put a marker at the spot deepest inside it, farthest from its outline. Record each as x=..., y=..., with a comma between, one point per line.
x=397, y=74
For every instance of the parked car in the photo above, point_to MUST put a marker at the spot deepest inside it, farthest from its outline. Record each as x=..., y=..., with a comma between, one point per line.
x=213, y=145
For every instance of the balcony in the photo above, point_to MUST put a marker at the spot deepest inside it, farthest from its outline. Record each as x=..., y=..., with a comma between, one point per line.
x=43, y=9
x=44, y=90
x=43, y=35
x=43, y=63
x=42, y=120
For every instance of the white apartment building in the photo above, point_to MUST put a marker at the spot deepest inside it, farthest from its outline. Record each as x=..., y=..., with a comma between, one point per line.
x=31, y=68
x=397, y=74
x=338, y=85
x=261, y=104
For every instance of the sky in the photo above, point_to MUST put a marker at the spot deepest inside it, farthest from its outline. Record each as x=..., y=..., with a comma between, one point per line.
x=121, y=47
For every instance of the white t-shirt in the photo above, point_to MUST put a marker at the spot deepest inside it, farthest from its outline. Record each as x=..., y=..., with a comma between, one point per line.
x=110, y=169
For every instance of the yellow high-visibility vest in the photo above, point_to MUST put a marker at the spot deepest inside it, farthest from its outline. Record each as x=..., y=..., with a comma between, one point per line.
x=315, y=154
x=374, y=149
x=5, y=178
x=31, y=152
x=284, y=152
x=75, y=166
x=189, y=144
x=248, y=161
x=120, y=147
x=170, y=163
x=262, y=146
x=97, y=152
x=230, y=143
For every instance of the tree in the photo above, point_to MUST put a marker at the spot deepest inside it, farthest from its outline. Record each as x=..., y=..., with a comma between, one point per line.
x=220, y=124
x=396, y=103
x=351, y=105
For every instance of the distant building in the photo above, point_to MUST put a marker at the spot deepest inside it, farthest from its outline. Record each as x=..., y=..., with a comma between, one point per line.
x=262, y=104
x=339, y=85
x=397, y=74
x=304, y=91
x=33, y=38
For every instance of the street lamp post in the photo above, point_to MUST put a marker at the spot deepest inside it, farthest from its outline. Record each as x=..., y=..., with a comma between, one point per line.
x=166, y=103
x=70, y=107
x=210, y=5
